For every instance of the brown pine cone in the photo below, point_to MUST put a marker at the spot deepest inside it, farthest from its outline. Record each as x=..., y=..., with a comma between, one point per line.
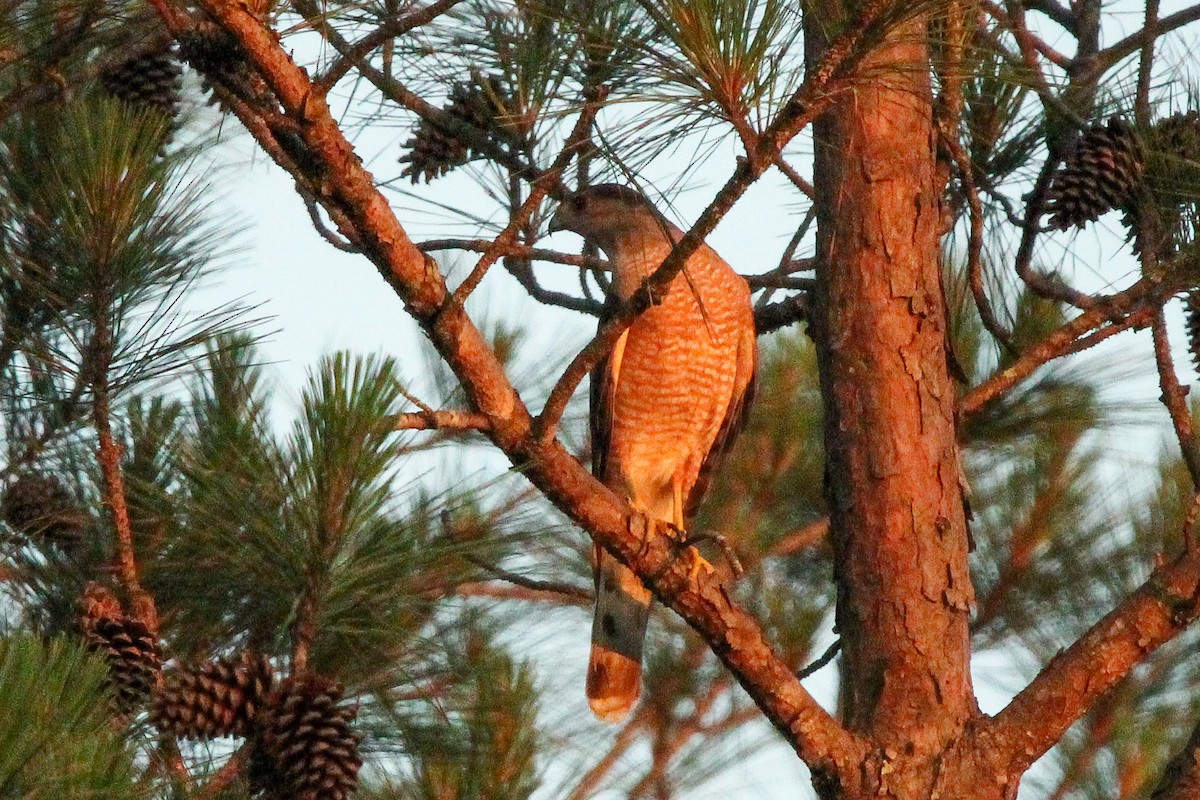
x=307, y=746
x=1103, y=172
x=220, y=698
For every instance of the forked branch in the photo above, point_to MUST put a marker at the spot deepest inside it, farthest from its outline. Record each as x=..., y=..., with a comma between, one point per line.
x=1108, y=315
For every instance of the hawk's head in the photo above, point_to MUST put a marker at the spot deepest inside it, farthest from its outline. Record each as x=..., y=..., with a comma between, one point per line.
x=605, y=212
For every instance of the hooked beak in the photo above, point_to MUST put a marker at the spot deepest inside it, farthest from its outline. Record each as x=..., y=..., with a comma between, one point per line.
x=556, y=223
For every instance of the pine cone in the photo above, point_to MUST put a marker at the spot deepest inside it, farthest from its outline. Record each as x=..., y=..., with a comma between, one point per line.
x=153, y=80
x=308, y=749
x=1177, y=136
x=1102, y=173
x=131, y=648
x=480, y=103
x=219, y=698
x=1191, y=312
x=41, y=508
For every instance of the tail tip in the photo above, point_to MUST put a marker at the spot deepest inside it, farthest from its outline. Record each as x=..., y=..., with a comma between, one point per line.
x=614, y=683
x=612, y=708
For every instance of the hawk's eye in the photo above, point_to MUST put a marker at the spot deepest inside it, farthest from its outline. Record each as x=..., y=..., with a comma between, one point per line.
x=578, y=203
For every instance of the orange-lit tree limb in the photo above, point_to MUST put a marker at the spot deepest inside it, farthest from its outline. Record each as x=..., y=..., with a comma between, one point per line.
x=1131, y=307
x=1079, y=676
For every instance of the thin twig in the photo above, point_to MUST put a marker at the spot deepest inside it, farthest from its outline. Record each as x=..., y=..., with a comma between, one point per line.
x=515, y=249
x=1117, y=312
x=1134, y=42
x=1174, y=397
x=798, y=180
x=229, y=772
x=312, y=205
x=399, y=93
x=498, y=590
x=389, y=29
x=773, y=316
x=966, y=172
x=801, y=538
x=1013, y=17
x=829, y=654
x=540, y=188
x=625, y=739
x=558, y=587
x=440, y=420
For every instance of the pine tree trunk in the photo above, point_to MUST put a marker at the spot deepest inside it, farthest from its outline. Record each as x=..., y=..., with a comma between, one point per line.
x=893, y=475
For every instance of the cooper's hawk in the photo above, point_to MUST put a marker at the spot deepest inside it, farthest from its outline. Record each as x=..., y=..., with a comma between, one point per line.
x=665, y=405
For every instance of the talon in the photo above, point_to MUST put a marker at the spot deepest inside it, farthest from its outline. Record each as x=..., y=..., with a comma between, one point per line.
x=699, y=562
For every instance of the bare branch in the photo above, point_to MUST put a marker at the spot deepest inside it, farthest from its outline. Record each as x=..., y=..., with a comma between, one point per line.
x=1108, y=315
x=773, y=316
x=314, y=215
x=516, y=579
x=966, y=172
x=1059, y=13
x=389, y=29
x=518, y=266
x=798, y=180
x=829, y=655
x=499, y=590
x=1135, y=41
x=514, y=249
x=624, y=740
x=800, y=539
x=571, y=147
x=446, y=420
x=1078, y=677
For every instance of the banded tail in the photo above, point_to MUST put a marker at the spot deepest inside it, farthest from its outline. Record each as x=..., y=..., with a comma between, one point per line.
x=614, y=677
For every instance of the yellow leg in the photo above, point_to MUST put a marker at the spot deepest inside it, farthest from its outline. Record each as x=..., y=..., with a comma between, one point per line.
x=698, y=561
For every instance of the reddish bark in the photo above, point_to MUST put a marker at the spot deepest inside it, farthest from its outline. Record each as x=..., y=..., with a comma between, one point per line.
x=898, y=526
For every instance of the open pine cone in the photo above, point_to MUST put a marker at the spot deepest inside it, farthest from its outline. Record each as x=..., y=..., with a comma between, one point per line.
x=305, y=746
x=219, y=698
x=1103, y=172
